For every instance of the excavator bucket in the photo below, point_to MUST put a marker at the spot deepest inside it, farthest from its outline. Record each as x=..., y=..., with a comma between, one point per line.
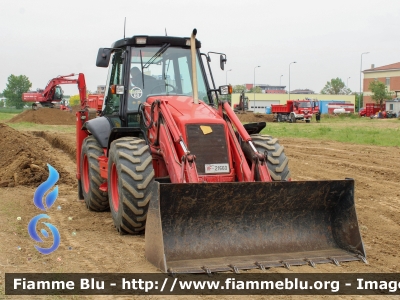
x=216, y=227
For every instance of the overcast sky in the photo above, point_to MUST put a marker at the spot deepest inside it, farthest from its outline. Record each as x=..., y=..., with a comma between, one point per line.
x=43, y=39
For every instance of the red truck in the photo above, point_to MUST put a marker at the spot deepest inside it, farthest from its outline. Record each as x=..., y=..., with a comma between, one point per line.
x=95, y=101
x=370, y=110
x=295, y=110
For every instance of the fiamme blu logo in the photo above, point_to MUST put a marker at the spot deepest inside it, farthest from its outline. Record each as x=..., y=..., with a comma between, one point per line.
x=45, y=203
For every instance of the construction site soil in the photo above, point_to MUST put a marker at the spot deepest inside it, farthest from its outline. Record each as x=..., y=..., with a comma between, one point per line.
x=90, y=243
x=49, y=116
x=250, y=117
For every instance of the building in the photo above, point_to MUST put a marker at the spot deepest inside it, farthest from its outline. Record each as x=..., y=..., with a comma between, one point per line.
x=268, y=89
x=258, y=102
x=393, y=105
x=302, y=91
x=101, y=89
x=389, y=75
x=272, y=89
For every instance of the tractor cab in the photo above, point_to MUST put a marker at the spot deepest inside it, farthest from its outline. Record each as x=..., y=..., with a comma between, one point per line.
x=144, y=66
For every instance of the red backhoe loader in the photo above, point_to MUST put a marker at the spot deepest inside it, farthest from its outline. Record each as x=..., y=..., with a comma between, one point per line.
x=168, y=156
x=52, y=95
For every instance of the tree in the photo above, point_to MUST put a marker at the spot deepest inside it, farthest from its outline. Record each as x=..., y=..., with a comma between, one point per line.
x=74, y=100
x=379, y=92
x=1, y=103
x=16, y=86
x=358, y=96
x=236, y=89
x=335, y=87
x=256, y=89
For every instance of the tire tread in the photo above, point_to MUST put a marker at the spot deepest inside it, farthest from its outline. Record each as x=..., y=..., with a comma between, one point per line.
x=133, y=162
x=95, y=199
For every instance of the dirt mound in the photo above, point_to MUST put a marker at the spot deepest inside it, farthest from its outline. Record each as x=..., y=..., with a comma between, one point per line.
x=24, y=159
x=251, y=117
x=75, y=108
x=47, y=116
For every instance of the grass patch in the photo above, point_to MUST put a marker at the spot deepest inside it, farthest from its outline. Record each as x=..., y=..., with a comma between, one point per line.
x=5, y=116
x=26, y=126
x=363, y=131
x=12, y=110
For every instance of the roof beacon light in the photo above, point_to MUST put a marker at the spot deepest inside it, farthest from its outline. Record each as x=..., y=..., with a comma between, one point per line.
x=141, y=40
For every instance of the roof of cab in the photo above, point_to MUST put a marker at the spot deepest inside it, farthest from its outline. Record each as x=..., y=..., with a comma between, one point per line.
x=154, y=40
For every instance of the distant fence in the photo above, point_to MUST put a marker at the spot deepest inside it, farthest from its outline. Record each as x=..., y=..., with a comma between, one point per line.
x=12, y=110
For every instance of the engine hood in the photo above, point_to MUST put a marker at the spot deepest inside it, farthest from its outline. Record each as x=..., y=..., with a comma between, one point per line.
x=184, y=111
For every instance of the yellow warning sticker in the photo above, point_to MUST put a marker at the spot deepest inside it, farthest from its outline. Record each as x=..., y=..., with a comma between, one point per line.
x=206, y=129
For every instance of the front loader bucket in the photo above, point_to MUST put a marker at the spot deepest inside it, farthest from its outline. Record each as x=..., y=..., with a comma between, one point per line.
x=214, y=227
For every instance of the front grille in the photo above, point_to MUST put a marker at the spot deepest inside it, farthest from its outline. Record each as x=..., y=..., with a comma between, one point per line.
x=208, y=148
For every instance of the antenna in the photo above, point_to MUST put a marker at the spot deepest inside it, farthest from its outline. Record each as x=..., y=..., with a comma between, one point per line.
x=166, y=32
x=124, y=26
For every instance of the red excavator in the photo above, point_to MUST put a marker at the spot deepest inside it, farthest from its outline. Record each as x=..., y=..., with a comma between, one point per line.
x=52, y=95
x=169, y=156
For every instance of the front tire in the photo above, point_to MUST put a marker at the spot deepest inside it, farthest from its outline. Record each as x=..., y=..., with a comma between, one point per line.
x=277, y=162
x=130, y=176
x=91, y=180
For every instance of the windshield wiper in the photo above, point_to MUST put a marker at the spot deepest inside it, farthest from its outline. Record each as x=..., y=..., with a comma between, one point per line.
x=158, y=54
x=152, y=59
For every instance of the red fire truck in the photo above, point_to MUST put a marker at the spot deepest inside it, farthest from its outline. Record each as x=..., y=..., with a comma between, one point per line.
x=295, y=110
x=370, y=110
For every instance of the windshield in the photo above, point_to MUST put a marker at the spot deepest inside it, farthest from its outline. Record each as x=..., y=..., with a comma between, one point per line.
x=304, y=104
x=162, y=71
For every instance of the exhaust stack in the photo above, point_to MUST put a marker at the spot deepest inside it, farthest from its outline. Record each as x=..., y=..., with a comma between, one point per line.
x=194, y=71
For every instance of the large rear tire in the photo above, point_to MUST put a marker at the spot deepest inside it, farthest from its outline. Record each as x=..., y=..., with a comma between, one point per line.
x=130, y=176
x=277, y=162
x=91, y=180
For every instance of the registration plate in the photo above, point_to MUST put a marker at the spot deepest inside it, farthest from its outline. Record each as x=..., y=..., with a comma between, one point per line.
x=217, y=168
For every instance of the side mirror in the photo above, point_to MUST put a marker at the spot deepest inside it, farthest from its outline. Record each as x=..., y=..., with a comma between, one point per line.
x=222, y=61
x=103, y=57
